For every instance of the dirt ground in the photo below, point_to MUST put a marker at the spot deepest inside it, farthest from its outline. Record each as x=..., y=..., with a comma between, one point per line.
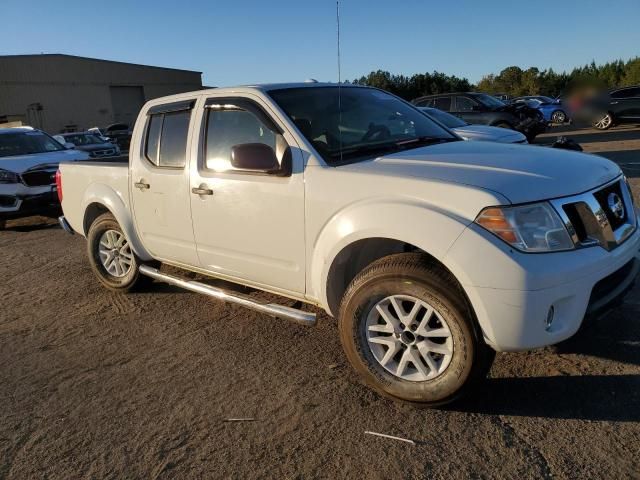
x=100, y=385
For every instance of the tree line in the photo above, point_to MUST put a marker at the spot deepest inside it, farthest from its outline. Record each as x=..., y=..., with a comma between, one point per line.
x=512, y=80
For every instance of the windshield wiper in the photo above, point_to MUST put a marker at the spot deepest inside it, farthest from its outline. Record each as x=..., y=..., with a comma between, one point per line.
x=387, y=147
x=365, y=149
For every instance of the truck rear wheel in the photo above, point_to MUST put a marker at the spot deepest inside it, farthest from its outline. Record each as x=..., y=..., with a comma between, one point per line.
x=110, y=255
x=407, y=331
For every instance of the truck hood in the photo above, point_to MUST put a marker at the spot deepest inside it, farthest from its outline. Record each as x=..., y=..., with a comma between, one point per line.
x=22, y=163
x=489, y=134
x=520, y=173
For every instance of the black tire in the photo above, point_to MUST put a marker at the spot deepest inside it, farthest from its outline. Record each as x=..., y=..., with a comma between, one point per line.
x=414, y=275
x=558, y=116
x=3, y=223
x=133, y=279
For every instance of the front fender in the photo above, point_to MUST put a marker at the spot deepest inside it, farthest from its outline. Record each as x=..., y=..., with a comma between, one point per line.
x=112, y=200
x=420, y=224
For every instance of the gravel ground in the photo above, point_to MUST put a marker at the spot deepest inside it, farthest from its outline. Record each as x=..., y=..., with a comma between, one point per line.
x=100, y=385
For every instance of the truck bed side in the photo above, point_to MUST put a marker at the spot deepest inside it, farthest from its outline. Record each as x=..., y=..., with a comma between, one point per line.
x=87, y=183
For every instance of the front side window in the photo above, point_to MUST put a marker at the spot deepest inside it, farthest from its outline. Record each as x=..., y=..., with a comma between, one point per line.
x=347, y=124
x=166, y=142
x=489, y=100
x=464, y=104
x=228, y=127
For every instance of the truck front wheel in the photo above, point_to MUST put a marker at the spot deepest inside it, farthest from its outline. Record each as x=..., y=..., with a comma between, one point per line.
x=110, y=255
x=407, y=331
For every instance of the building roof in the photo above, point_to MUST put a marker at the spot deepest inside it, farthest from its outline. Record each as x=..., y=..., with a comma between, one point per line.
x=64, y=55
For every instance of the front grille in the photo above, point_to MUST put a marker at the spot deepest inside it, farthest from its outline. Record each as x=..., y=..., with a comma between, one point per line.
x=590, y=219
x=103, y=153
x=38, y=178
x=7, y=202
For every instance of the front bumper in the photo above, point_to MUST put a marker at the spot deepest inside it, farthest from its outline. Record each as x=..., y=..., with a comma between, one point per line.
x=512, y=292
x=18, y=200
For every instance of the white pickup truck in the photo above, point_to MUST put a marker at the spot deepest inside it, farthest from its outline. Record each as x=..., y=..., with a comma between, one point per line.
x=432, y=252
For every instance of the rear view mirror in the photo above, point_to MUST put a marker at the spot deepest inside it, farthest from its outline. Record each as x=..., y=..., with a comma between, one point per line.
x=255, y=157
x=69, y=145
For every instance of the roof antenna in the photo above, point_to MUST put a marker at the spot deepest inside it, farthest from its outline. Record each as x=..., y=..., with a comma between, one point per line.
x=339, y=80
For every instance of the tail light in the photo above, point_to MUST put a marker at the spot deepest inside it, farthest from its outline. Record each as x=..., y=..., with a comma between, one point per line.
x=59, y=185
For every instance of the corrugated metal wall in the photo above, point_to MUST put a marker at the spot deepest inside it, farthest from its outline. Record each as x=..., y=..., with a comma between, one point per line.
x=62, y=90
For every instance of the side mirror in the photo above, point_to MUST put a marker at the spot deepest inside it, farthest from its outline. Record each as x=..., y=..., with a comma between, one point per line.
x=255, y=157
x=69, y=145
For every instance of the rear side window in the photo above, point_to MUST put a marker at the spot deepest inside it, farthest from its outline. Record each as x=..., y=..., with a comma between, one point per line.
x=443, y=103
x=166, y=143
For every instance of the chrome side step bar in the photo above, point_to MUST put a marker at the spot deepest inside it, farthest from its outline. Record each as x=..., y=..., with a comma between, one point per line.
x=271, y=309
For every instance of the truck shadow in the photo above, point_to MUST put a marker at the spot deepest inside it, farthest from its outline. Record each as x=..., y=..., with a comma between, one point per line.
x=585, y=397
x=614, y=338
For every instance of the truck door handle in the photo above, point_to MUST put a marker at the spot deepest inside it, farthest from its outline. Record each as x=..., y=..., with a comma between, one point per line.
x=202, y=190
x=141, y=185
x=614, y=103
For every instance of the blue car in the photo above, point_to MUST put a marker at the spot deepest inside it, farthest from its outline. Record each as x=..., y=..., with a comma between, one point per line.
x=552, y=109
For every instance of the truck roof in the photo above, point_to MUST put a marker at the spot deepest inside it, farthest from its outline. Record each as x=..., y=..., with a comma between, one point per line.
x=264, y=87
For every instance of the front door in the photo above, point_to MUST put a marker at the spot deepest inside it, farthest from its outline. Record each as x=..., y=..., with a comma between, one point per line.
x=248, y=226
x=159, y=187
x=467, y=109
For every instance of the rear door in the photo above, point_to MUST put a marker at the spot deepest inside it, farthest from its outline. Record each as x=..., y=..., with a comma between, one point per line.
x=248, y=226
x=159, y=179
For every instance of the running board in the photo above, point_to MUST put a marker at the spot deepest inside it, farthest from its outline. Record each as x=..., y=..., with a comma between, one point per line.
x=271, y=309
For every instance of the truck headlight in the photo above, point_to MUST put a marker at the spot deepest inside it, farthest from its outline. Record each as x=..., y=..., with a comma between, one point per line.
x=530, y=228
x=8, y=177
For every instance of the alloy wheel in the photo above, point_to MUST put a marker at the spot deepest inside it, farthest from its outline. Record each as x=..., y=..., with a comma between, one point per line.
x=115, y=253
x=604, y=122
x=409, y=338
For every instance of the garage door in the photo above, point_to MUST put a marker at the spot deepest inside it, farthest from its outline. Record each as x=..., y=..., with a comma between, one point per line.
x=126, y=102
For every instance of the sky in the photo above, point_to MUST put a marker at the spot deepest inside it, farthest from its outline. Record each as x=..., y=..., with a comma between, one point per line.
x=242, y=41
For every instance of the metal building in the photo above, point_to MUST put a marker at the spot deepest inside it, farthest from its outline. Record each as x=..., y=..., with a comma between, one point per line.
x=59, y=93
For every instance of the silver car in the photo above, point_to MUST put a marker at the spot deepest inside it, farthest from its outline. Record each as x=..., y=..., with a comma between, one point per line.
x=29, y=159
x=474, y=132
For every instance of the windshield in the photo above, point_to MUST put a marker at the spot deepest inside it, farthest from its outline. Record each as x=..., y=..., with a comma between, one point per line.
x=83, y=139
x=445, y=118
x=27, y=143
x=489, y=101
x=357, y=124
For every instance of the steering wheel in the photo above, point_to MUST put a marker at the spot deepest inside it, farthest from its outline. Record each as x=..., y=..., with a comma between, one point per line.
x=376, y=132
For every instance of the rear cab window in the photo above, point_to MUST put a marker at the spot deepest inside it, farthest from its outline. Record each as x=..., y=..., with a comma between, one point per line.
x=166, y=135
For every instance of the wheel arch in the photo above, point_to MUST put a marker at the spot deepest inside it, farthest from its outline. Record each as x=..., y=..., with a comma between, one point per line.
x=100, y=199
x=361, y=235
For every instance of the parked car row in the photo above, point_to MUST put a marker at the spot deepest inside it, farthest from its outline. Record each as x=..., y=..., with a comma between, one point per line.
x=484, y=109
x=96, y=146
